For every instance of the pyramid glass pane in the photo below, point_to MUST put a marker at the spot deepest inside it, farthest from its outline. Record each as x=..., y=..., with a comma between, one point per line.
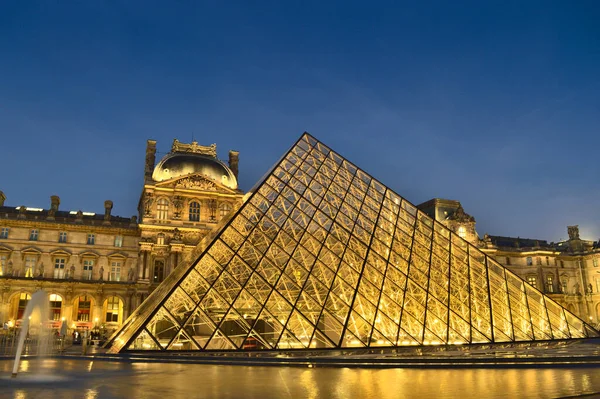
x=322, y=255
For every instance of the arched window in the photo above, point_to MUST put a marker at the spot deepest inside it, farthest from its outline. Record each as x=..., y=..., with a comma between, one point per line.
x=159, y=271
x=194, y=211
x=55, y=307
x=84, y=307
x=224, y=209
x=162, y=209
x=462, y=232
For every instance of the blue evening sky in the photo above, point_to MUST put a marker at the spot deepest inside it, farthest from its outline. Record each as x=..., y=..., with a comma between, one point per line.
x=493, y=103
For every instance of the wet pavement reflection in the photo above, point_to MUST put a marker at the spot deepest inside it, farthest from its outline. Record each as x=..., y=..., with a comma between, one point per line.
x=64, y=378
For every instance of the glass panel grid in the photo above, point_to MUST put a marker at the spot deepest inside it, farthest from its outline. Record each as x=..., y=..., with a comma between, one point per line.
x=324, y=256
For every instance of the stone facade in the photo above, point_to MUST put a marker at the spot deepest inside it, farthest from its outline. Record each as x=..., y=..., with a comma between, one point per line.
x=97, y=268
x=567, y=271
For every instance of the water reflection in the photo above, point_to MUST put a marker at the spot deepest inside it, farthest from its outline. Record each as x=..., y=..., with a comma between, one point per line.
x=88, y=380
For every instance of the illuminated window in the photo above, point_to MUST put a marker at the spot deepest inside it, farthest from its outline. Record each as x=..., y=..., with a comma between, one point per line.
x=532, y=280
x=4, y=232
x=59, y=267
x=224, y=209
x=550, y=283
x=84, y=307
x=564, y=286
x=162, y=209
x=23, y=301
x=3, y=265
x=529, y=261
x=55, y=307
x=595, y=262
x=194, y=211
x=160, y=239
x=118, y=241
x=159, y=271
x=462, y=232
x=91, y=239
x=33, y=235
x=88, y=268
x=115, y=271
x=112, y=309
x=62, y=237
x=597, y=284
x=30, y=262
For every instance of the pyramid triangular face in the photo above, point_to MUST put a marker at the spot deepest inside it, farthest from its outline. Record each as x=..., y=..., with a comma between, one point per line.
x=322, y=255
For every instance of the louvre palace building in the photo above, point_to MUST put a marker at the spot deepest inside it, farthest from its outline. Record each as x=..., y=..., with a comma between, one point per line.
x=99, y=268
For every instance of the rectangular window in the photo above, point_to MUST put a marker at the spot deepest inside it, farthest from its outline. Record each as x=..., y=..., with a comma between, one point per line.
x=88, y=269
x=532, y=281
x=550, y=284
x=507, y=261
x=59, y=268
x=30, y=262
x=529, y=261
x=595, y=262
x=62, y=237
x=4, y=232
x=115, y=271
x=597, y=284
x=118, y=241
x=3, y=265
x=91, y=239
x=538, y=261
x=112, y=310
x=33, y=235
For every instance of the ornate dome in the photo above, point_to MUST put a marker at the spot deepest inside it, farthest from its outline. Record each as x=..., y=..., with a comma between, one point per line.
x=182, y=164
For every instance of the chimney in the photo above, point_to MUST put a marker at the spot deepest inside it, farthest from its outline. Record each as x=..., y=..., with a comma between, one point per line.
x=54, y=203
x=233, y=162
x=2, y=198
x=150, y=158
x=108, y=204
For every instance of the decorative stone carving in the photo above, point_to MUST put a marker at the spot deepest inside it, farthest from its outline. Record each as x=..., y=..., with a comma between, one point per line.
x=41, y=270
x=176, y=235
x=573, y=232
x=177, y=204
x=101, y=276
x=194, y=147
x=212, y=206
x=461, y=216
x=130, y=274
x=196, y=182
x=148, y=200
x=191, y=237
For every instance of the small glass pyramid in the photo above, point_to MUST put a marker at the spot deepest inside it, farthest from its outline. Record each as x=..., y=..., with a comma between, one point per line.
x=322, y=255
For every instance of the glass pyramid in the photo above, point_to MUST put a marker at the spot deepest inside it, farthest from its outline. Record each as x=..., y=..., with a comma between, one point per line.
x=321, y=255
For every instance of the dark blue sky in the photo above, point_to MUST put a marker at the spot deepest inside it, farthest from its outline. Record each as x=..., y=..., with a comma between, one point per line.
x=495, y=104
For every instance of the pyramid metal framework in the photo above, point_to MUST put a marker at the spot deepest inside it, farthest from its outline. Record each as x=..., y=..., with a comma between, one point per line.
x=322, y=255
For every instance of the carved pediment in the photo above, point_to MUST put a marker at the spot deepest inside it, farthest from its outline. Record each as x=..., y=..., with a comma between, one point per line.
x=195, y=182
